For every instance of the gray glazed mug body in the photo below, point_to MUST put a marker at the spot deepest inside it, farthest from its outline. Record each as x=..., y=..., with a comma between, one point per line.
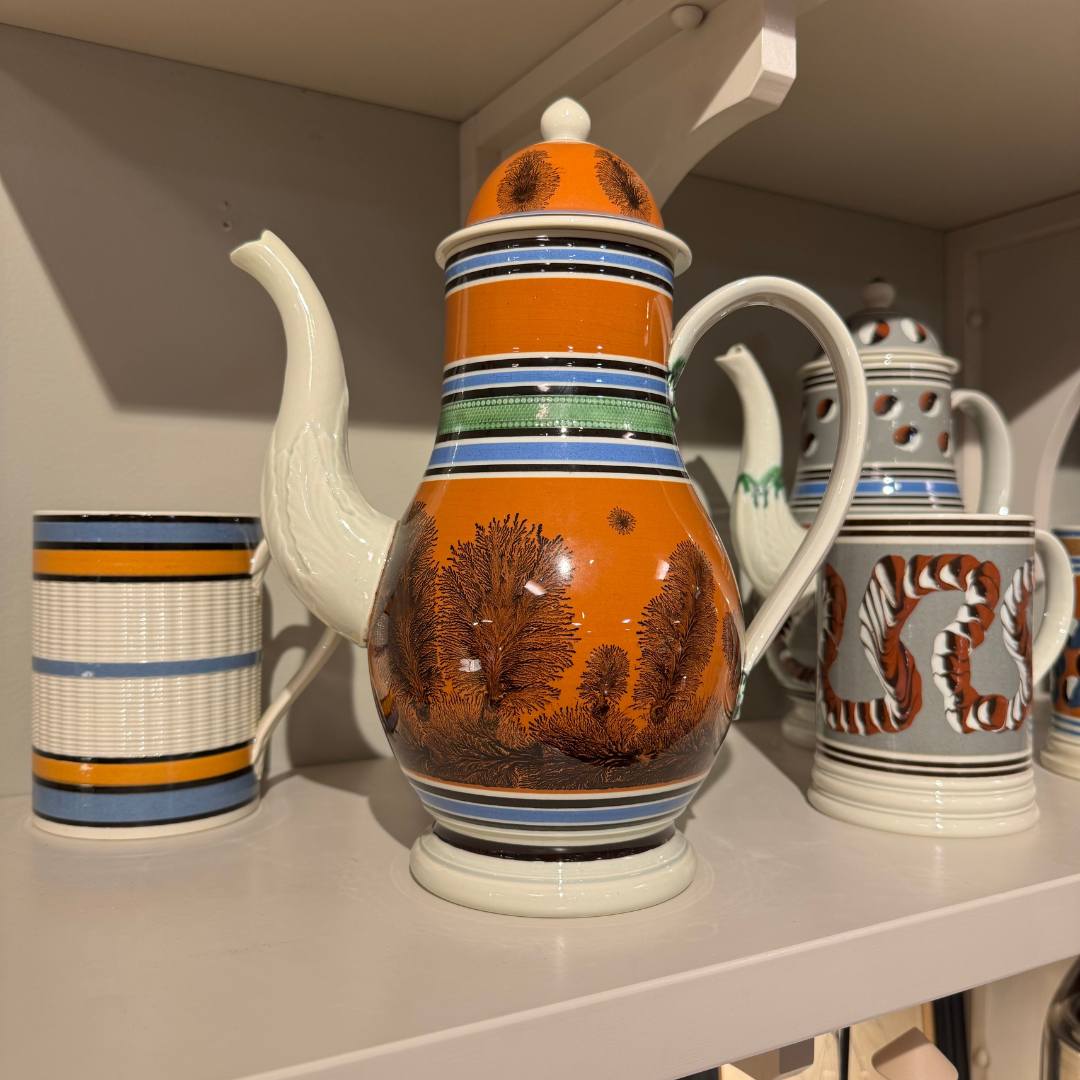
x=925, y=645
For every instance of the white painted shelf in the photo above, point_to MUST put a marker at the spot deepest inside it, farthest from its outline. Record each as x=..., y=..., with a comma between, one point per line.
x=296, y=944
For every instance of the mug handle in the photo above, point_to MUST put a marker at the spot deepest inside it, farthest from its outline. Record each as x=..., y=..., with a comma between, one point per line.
x=1059, y=598
x=312, y=665
x=829, y=329
x=995, y=488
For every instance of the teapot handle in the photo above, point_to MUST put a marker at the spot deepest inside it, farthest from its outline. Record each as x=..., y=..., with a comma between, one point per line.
x=829, y=329
x=995, y=488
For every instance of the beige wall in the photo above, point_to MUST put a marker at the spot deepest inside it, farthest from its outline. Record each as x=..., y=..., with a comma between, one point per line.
x=140, y=370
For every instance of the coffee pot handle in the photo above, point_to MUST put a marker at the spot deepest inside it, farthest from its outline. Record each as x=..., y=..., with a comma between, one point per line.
x=829, y=329
x=995, y=490
x=312, y=665
x=1059, y=600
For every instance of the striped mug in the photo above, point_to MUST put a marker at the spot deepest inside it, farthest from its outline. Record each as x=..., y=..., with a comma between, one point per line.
x=147, y=635
x=927, y=663
x=1062, y=751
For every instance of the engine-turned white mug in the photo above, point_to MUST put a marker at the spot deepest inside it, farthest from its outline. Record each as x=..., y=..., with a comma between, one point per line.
x=147, y=639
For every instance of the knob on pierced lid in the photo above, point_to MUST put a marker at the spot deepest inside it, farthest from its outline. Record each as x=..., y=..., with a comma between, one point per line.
x=878, y=294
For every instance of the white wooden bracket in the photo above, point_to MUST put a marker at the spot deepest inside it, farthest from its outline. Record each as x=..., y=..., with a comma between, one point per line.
x=662, y=84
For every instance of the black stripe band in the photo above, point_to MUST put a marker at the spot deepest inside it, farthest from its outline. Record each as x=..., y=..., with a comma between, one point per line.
x=148, y=823
x=201, y=519
x=896, y=759
x=149, y=578
x=571, y=389
x=524, y=826
x=83, y=760
x=143, y=789
x=903, y=371
x=920, y=771
x=583, y=242
x=871, y=471
x=541, y=269
x=913, y=539
x=562, y=853
x=553, y=433
x=151, y=518
x=573, y=363
x=558, y=467
x=108, y=545
x=942, y=521
x=547, y=804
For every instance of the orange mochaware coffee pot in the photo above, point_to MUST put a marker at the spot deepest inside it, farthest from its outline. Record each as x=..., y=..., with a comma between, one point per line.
x=554, y=633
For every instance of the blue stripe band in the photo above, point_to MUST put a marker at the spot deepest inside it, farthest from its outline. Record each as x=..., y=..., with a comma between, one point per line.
x=150, y=669
x=883, y=487
x=1068, y=724
x=144, y=807
x=556, y=377
x=149, y=532
x=543, y=255
x=554, y=450
x=563, y=815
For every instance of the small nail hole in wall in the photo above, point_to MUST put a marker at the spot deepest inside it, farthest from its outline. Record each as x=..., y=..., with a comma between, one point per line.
x=226, y=226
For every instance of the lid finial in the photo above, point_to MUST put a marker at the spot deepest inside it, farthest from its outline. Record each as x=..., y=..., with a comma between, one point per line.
x=879, y=294
x=565, y=121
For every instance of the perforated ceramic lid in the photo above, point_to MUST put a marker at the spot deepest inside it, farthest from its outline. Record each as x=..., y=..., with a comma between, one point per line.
x=565, y=174
x=879, y=327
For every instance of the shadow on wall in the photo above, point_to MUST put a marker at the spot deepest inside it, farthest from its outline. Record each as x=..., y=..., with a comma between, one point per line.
x=135, y=177
x=321, y=724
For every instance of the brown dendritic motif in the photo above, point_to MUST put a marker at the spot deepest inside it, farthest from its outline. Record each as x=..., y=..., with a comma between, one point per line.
x=507, y=630
x=472, y=653
x=623, y=187
x=622, y=521
x=729, y=643
x=528, y=183
x=676, y=633
x=411, y=652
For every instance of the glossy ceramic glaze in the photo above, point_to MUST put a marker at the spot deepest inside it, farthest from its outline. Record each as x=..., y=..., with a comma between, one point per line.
x=540, y=676
x=1062, y=751
x=554, y=634
x=147, y=638
x=909, y=463
x=927, y=666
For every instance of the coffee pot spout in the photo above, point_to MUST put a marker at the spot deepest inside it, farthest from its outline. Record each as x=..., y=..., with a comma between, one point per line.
x=330, y=542
x=765, y=532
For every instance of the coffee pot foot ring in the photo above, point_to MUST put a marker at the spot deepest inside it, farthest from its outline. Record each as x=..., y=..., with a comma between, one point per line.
x=553, y=889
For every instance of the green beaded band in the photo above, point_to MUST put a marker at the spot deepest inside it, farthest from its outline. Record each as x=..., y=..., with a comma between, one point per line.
x=556, y=411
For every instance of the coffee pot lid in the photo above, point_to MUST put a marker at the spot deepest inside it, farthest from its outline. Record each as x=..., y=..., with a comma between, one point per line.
x=565, y=174
x=879, y=328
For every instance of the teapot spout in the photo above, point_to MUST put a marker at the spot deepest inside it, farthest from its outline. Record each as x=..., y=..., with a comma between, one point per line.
x=764, y=530
x=328, y=540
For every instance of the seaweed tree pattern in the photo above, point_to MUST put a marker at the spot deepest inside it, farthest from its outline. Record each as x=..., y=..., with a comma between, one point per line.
x=528, y=183
x=495, y=636
x=623, y=187
x=507, y=633
x=676, y=633
x=411, y=651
